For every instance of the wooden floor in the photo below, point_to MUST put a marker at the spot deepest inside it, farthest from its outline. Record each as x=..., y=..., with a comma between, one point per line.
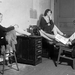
x=47, y=67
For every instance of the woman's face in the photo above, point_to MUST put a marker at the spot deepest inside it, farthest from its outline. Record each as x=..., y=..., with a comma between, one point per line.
x=49, y=14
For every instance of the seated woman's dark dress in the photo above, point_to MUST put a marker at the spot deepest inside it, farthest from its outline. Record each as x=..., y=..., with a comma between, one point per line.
x=45, y=27
x=48, y=29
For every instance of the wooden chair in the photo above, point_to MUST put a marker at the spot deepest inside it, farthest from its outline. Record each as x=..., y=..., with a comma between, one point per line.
x=62, y=49
x=7, y=57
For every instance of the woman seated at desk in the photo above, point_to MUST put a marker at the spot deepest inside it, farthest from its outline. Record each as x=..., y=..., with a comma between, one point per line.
x=50, y=30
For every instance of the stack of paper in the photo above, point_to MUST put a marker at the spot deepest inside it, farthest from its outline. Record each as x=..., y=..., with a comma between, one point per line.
x=61, y=39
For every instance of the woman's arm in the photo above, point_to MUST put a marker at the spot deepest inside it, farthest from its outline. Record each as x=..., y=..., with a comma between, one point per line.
x=6, y=29
x=10, y=28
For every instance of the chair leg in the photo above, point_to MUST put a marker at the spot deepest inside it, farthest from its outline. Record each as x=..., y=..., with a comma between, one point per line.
x=4, y=59
x=3, y=47
x=16, y=61
x=59, y=54
x=73, y=63
x=3, y=64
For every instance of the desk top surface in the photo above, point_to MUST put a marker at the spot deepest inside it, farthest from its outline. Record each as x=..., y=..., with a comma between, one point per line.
x=31, y=36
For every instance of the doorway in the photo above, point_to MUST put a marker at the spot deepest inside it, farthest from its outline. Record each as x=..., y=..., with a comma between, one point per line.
x=64, y=15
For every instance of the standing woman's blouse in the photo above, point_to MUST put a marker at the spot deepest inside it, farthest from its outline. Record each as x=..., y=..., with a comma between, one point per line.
x=47, y=27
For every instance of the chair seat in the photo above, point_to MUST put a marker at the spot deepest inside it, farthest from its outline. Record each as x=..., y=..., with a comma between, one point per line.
x=64, y=47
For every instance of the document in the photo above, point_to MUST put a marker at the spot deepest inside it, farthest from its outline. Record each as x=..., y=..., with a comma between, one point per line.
x=20, y=31
x=61, y=39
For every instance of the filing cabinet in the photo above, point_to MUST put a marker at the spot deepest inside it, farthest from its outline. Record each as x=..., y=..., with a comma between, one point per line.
x=29, y=49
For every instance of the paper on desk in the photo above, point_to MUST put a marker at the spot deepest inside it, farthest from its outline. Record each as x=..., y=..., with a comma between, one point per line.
x=20, y=31
x=61, y=39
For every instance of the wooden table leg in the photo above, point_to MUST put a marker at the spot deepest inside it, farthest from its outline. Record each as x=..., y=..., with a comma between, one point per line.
x=73, y=63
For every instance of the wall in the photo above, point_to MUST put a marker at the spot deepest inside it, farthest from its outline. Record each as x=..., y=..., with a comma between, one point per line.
x=23, y=12
x=46, y=4
x=52, y=8
x=16, y=12
x=65, y=15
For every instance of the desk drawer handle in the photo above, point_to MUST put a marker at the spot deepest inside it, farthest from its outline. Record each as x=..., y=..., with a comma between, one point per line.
x=39, y=46
x=39, y=41
x=39, y=57
x=39, y=50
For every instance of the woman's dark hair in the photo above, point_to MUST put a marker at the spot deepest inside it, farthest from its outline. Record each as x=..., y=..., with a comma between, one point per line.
x=0, y=13
x=46, y=11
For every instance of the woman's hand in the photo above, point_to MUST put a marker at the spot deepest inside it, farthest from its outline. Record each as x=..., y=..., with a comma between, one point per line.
x=48, y=24
x=69, y=43
x=64, y=34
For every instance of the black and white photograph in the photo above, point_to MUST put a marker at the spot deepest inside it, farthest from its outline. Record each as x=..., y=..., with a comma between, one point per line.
x=37, y=37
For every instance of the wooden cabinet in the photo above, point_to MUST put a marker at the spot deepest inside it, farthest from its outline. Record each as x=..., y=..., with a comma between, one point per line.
x=29, y=49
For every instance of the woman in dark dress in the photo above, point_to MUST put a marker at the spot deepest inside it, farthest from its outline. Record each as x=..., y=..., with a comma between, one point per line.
x=50, y=30
x=47, y=25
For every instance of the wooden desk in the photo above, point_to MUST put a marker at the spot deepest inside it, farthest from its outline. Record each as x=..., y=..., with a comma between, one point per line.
x=29, y=49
